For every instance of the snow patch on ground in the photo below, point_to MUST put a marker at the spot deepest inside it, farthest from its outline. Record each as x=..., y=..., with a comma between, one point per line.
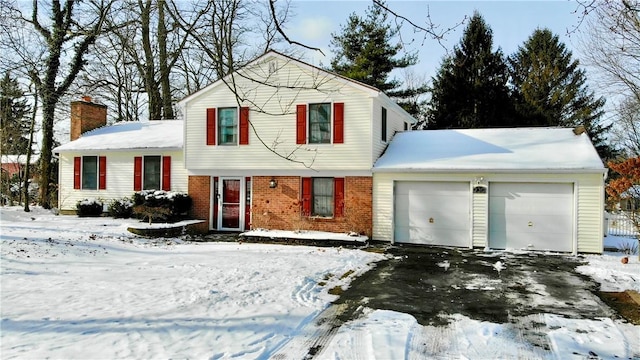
x=86, y=288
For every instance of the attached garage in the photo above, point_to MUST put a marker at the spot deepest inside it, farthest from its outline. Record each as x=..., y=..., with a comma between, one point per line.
x=432, y=213
x=531, y=216
x=505, y=189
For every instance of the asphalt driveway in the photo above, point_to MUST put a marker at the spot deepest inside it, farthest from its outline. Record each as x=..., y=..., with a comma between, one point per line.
x=430, y=283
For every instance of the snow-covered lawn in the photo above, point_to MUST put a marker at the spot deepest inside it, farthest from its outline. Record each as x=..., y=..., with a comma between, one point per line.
x=86, y=288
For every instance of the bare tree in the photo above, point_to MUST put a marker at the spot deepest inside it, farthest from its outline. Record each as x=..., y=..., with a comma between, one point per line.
x=62, y=34
x=612, y=47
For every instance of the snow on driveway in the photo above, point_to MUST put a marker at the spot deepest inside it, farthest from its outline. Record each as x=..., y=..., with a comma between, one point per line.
x=85, y=288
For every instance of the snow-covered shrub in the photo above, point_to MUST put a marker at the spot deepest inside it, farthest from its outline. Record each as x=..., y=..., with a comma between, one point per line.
x=121, y=208
x=174, y=205
x=89, y=207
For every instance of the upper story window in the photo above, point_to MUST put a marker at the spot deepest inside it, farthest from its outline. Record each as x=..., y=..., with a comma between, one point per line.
x=228, y=126
x=320, y=123
x=225, y=127
x=383, y=124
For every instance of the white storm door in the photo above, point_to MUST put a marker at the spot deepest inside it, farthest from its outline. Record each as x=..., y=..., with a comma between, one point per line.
x=230, y=202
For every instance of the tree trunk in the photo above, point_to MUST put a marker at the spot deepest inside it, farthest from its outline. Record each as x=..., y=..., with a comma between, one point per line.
x=150, y=84
x=46, y=153
x=167, y=108
x=27, y=171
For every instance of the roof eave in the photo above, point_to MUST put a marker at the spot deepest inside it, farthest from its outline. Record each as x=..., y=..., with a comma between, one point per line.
x=489, y=170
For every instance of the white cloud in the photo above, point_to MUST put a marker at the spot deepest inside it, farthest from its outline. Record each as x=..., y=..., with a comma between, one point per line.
x=317, y=29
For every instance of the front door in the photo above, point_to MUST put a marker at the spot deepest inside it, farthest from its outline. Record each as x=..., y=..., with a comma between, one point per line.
x=230, y=195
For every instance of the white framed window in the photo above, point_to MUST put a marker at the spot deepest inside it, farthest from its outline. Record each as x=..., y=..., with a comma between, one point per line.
x=322, y=197
x=320, y=123
x=89, y=172
x=228, y=126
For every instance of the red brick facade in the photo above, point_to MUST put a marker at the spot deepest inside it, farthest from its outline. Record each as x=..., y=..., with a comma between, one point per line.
x=199, y=189
x=86, y=116
x=279, y=208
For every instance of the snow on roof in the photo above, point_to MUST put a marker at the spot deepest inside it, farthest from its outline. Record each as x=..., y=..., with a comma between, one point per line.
x=156, y=134
x=519, y=149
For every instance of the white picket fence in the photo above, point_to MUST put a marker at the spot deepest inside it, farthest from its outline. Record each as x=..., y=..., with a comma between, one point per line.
x=618, y=224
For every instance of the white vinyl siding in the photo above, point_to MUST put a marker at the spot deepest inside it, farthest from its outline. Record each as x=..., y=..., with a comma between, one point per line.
x=591, y=214
x=589, y=205
x=119, y=176
x=480, y=227
x=395, y=123
x=275, y=123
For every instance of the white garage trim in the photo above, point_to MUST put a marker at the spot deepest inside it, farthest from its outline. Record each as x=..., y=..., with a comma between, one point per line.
x=432, y=213
x=532, y=216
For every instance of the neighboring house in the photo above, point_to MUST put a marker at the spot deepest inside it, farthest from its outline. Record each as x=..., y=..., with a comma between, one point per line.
x=523, y=188
x=15, y=164
x=630, y=199
x=112, y=162
x=291, y=147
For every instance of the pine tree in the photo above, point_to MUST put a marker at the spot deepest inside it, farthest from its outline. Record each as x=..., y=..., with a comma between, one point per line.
x=470, y=89
x=14, y=123
x=548, y=89
x=365, y=52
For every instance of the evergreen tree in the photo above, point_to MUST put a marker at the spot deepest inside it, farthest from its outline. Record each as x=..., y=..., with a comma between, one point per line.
x=470, y=89
x=548, y=89
x=365, y=51
x=14, y=123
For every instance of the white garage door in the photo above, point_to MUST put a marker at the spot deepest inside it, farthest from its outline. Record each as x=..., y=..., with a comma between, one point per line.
x=531, y=216
x=432, y=213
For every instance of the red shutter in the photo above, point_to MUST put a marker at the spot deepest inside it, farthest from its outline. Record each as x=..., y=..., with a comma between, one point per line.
x=77, y=168
x=247, y=205
x=338, y=123
x=338, y=197
x=306, y=196
x=215, y=203
x=211, y=126
x=166, y=173
x=137, y=173
x=301, y=124
x=102, y=172
x=244, y=126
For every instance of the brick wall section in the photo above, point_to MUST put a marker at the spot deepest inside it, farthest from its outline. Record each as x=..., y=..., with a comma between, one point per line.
x=86, y=116
x=199, y=188
x=280, y=209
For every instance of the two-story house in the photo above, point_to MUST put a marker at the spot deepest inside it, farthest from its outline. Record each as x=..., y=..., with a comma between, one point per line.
x=281, y=144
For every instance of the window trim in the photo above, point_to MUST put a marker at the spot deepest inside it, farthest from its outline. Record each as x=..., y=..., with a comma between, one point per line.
x=383, y=125
x=236, y=126
x=83, y=174
x=308, y=123
x=144, y=172
x=332, y=197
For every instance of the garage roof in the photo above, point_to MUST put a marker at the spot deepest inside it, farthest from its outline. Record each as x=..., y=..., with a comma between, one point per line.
x=155, y=134
x=516, y=149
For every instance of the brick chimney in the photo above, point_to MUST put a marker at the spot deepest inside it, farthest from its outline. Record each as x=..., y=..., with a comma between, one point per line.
x=86, y=116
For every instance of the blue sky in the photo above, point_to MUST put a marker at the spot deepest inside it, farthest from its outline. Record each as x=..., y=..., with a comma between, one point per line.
x=512, y=23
